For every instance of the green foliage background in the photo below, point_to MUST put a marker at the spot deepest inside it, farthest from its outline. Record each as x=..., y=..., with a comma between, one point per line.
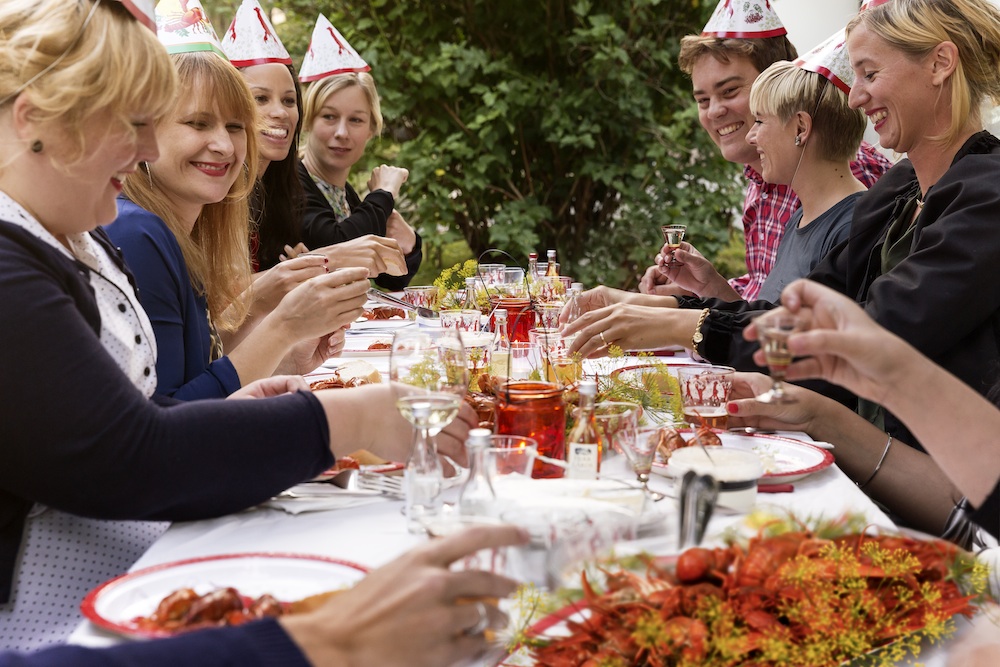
x=535, y=124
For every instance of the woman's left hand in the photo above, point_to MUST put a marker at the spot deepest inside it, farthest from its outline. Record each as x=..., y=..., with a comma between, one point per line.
x=629, y=327
x=273, y=386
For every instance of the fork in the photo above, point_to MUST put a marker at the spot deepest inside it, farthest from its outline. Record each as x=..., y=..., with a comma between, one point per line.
x=390, y=486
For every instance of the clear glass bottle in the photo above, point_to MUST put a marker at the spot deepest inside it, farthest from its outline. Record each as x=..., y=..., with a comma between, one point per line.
x=500, y=351
x=477, y=497
x=552, y=268
x=572, y=304
x=424, y=477
x=583, y=445
x=470, y=294
x=532, y=266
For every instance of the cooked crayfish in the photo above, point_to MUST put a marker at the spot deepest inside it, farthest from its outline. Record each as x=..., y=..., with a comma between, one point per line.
x=734, y=605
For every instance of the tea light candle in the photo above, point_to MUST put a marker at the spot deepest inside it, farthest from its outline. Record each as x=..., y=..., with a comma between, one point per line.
x=736, y=470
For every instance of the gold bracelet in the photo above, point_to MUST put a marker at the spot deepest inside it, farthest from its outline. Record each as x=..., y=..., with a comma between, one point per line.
x=697, y=336
x=878, y=466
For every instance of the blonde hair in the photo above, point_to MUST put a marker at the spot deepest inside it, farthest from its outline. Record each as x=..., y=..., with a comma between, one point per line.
x=78, y=62
x=217, y=249
x=784, y=89
x=318, y=91
x=916, y=27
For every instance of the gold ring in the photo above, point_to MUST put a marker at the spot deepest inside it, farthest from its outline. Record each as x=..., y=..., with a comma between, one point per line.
x=604, y=340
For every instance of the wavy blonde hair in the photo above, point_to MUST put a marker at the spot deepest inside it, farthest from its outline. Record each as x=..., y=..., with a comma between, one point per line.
x=79, y=62
x=916, y=27
x=217, y=250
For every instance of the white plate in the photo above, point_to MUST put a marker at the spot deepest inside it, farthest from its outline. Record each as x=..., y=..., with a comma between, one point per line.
x=380, y=325
x=785, y=460
x=357, y=346
x=288, y=577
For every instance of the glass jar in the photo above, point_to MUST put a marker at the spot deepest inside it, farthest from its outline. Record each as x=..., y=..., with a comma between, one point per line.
x=520, y=317
x=535, y=410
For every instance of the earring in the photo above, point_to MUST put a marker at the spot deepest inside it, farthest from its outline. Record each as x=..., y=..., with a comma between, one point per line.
x=798, y=140
x=37, y=146
x=149, y=174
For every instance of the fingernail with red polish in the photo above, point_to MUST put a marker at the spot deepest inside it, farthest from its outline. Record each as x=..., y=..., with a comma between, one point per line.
x=732, y=408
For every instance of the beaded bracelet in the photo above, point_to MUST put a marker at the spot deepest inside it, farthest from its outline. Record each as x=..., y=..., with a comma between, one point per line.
x=878, y=466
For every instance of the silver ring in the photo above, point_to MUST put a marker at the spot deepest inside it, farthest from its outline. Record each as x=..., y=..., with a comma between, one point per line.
x=604, y=340
x=481, y=624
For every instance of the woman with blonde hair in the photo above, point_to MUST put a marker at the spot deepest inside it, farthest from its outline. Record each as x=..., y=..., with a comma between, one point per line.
x=183, y=226
x=341, y=114
x=89, y=449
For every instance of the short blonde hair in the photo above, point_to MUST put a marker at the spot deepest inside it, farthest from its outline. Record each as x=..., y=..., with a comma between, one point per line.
x=217, y=250
x=784, y=89
x=916, y=27
x=318, y=91
x=111, y=65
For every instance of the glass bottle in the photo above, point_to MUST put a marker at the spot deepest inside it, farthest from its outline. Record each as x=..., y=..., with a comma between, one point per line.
x=477, y=497
x=470, y=294
x=583, y=445
x=423, y=478
x=532, y=266
x=572, y=304
x=552, y=268
x=500, y=351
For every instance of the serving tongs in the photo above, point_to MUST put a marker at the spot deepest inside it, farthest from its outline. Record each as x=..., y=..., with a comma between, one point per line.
x=696, y=502
x=382, y=297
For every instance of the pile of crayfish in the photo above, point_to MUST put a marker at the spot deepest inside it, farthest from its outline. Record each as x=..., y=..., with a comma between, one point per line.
x=787, y=599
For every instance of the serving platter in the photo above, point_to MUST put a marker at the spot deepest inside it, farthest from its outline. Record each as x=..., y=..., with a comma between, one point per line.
x=785, y=460
x=115, y=604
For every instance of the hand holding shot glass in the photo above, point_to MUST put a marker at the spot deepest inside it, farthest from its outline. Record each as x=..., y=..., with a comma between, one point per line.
x=773, y=330
x=672, y=236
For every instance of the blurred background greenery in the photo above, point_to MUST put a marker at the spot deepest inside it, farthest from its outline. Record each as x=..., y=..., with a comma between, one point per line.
x=536, y=124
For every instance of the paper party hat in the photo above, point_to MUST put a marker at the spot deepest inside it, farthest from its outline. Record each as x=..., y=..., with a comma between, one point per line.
x=830, y=59
x=143, y=11
x=183, y=27
x=744, y=19
x=329, y=54
x=251, y=40
x=868, y=4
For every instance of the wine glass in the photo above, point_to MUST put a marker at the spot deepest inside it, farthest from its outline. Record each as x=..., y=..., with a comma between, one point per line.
x=773, y=331
x=639, y=446
x=427, y=368
x=672, y=236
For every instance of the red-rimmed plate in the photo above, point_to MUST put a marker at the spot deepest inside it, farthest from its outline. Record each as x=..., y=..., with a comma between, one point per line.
x=115, y=604
x=785, y=460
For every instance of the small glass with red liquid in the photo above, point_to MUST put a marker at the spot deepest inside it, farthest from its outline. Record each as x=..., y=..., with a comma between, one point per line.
x=535, y=410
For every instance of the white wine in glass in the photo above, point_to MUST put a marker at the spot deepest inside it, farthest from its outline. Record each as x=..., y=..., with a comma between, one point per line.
x=672, y=236
x=427, y=368
x=773, y=331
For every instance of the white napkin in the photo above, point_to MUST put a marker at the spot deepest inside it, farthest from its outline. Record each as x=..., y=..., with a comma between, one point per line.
x=321, y=497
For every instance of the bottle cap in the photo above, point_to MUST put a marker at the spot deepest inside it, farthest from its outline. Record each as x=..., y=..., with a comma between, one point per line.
x=578, y=287
x=550, y=253
x=471, y=280
x=588, y=387
x=532, y=255
x=479, y=437
x=500, y=313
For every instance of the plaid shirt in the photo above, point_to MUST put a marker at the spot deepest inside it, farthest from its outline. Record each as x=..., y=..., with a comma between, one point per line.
x=767, y=208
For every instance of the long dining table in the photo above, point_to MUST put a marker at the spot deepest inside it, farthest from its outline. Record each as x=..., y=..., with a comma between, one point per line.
x=373, y=533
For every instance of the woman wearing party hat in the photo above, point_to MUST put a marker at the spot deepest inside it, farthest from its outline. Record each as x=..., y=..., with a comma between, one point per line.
x=183, y=226
x=253, y=46
x=342, y=113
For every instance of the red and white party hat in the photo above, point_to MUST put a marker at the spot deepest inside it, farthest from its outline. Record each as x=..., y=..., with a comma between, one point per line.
x=251, y=40
x=329, y=54
x=869, y=4
x=744, y=19
x=183, y=27
x=143, y=11
x=831, y=60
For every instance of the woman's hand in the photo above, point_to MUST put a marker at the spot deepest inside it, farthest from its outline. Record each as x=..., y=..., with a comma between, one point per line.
x=272, y=386
x=388, y=178
x=694, y=273
x=271, y=286
x=307, y=355
x=322, y=305
x=397, y=228
x=745, y=410
x=378, y=254
x=655, y=281
x=631, y=327
x=840, y=343
x=413, y=612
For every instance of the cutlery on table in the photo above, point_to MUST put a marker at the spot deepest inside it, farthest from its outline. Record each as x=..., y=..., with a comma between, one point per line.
x=382, y=297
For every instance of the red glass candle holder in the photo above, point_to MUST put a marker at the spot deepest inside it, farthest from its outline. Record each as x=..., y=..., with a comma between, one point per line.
x=520, y=317
x=536, y=410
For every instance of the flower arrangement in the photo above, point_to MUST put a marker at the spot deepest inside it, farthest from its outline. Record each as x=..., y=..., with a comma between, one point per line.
x=789, y=596
x=451, y=287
